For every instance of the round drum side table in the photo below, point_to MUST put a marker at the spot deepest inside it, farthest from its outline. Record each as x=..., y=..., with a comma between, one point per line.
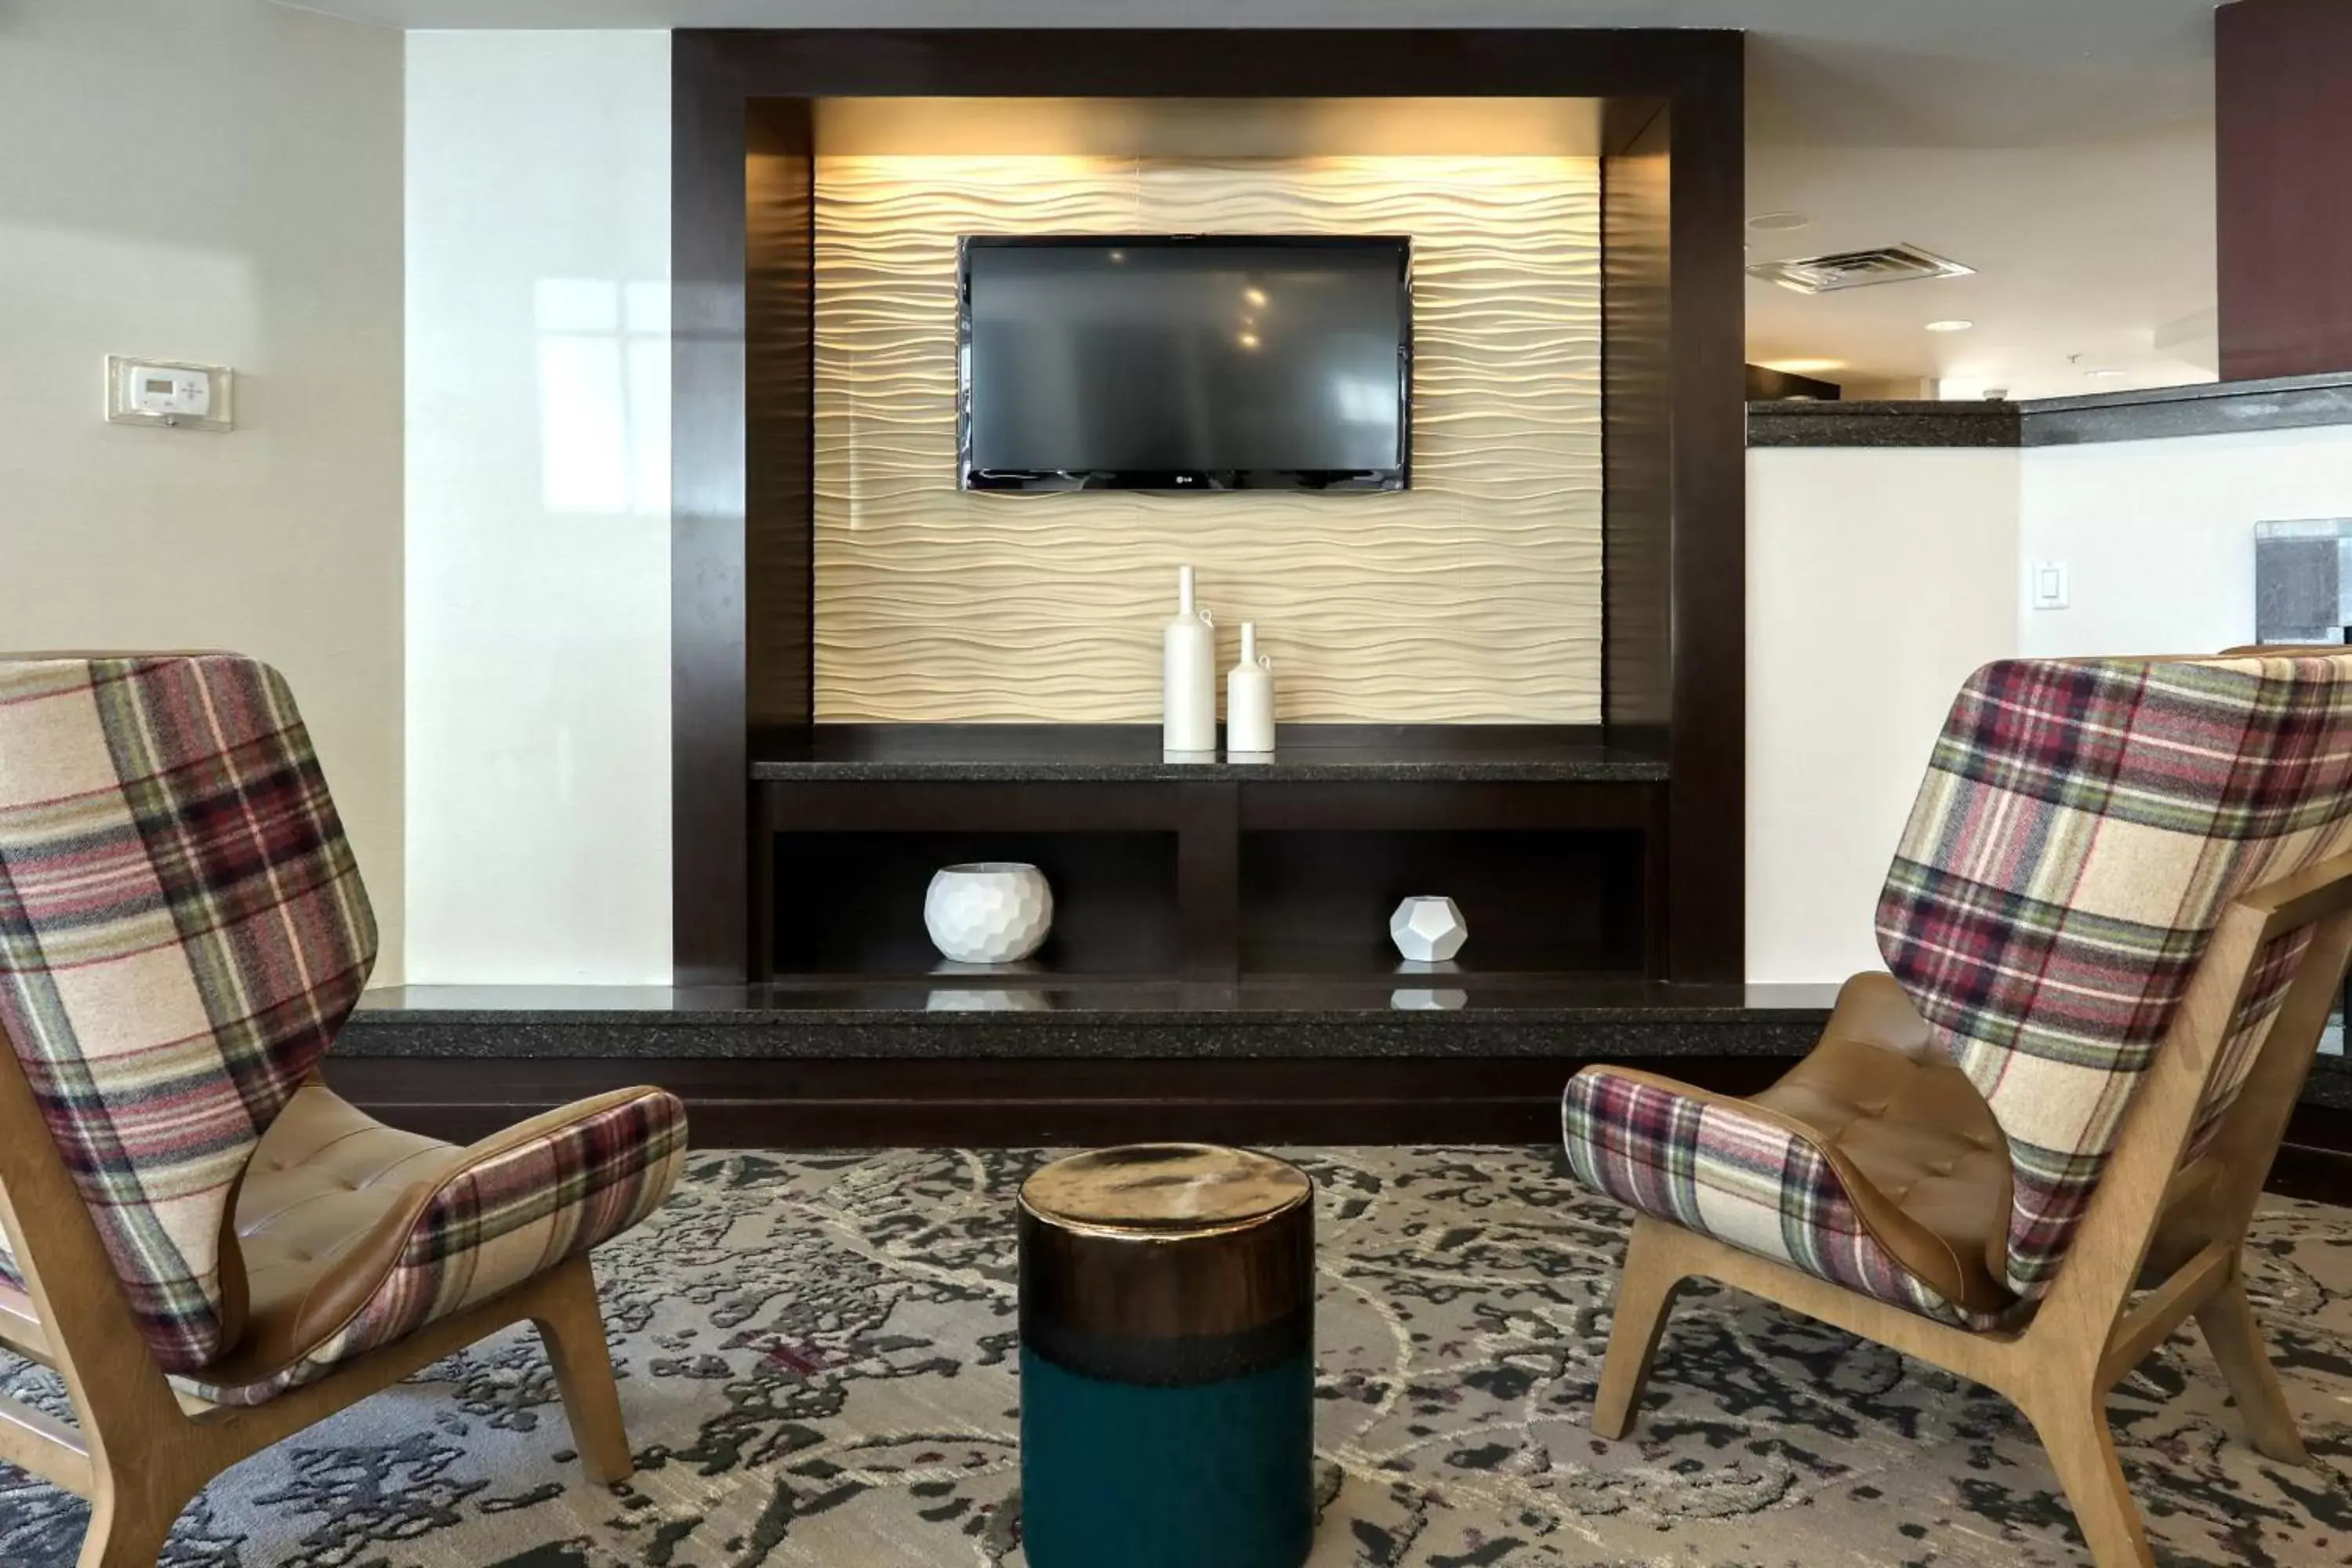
x=1167, y=1359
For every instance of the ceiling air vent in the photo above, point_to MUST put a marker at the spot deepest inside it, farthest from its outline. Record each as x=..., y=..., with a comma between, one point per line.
x=1857, y=268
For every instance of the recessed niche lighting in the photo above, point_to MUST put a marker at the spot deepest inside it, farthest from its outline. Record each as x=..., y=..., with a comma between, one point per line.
x=1804, y=366
x=1952, y=326
x=1777, y=223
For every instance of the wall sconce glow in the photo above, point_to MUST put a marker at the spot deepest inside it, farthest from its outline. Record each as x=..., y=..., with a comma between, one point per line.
x=1804, y=366
x=1951, y=326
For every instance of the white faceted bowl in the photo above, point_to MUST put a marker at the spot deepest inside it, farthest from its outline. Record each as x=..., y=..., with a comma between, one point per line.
x=990, y=911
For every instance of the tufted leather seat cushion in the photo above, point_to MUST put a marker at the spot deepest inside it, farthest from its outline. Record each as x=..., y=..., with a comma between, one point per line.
x=354, y=1234
x=323, y=1214
x=1879, y=1093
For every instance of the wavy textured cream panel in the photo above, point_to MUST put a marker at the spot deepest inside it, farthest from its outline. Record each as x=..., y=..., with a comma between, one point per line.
x=1474, y=596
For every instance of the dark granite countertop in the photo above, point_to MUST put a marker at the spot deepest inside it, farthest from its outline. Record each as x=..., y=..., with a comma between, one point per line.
x=1409, y=1012
x=1430, y=1012
x=2205, y=408
x=1882, y=423
x=2330, y=1083
x=1081, y=754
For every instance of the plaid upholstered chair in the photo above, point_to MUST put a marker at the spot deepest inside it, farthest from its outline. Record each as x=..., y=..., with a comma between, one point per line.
x=212, y=1248
x=2116, y=926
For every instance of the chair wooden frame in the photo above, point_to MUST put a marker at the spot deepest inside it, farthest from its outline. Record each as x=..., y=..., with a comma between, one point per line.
x=142, y=1450
x=2170, y=1238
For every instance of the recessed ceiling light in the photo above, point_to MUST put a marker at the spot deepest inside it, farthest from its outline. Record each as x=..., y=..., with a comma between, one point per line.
x=1777, y=223
x=1953, y=326
x=2103, y=369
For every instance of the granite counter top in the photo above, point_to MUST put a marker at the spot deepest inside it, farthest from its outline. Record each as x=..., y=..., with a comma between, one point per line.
x=2205, y=408
x=982, y=1019
x=1407, y=1014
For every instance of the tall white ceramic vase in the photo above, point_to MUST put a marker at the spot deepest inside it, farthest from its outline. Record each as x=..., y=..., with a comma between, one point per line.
x=1249, y=703
x=1188, y=677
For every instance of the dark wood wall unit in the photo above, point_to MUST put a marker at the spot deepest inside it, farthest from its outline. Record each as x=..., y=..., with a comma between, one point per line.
x=708, y=744
x=1655, y=64
x=1208, y=879
x=2284, y=113
x=1765, y=384
x=1707, y=817
x=778, y=412
x=1673, y=405
x=1637, y=445
x=1673, y=432
x=1223, y=880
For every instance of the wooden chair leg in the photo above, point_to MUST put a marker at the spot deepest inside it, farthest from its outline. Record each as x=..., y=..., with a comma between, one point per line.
x=1645, y=1294
x=127, y=1528
x=2073, y=1428
x=574, y=1331
x=2227, y=1319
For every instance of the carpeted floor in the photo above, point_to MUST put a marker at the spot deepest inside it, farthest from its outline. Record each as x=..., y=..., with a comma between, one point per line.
x=816, y=1362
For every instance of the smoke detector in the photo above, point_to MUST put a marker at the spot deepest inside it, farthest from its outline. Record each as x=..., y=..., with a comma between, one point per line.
x=1857, y=268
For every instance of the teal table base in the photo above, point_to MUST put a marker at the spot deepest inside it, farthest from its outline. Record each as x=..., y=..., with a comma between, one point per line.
x=1196, y=1475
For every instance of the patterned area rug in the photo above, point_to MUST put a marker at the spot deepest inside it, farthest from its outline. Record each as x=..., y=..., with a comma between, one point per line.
x=816, y=1355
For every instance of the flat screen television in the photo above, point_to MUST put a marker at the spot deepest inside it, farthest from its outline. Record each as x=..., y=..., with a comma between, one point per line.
x=1185, y=362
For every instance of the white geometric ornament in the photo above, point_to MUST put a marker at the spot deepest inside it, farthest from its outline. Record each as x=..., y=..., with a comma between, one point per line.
x=1428, y=928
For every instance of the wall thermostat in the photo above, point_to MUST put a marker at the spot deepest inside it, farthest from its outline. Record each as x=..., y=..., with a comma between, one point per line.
x=169, y=392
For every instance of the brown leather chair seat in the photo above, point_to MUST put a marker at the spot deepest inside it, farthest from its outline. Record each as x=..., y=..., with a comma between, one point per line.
x=1924, y=1163
x=327, y=1204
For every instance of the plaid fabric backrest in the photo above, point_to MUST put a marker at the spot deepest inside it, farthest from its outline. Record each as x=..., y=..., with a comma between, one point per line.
x=181, y=932
x=2083, y=825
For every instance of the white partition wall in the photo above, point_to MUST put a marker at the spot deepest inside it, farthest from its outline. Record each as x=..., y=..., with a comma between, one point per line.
x=2157, y=537
x=1876, y=580
x=537, y=561
x=1879, y=577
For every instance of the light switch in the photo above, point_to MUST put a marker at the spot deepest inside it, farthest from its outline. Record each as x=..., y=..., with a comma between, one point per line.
x=169, y=392
x=2048, y=585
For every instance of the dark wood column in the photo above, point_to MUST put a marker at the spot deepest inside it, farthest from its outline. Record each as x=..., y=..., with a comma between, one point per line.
x=2283, y=97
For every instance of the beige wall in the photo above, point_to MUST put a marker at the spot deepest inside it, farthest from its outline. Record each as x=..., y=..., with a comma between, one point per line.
x=1474, y=596
x=257, y=225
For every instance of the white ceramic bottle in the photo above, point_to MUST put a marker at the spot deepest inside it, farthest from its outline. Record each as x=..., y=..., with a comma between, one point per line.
x=1249, y=703
x=1188, y=676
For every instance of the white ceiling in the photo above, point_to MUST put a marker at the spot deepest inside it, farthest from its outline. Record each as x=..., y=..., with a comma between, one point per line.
x=2061, y=147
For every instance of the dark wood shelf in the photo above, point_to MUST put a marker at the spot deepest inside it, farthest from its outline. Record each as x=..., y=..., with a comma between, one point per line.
x=1101, y=753
x=1215, y=880
x=940, y=975
x=1305, y=966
